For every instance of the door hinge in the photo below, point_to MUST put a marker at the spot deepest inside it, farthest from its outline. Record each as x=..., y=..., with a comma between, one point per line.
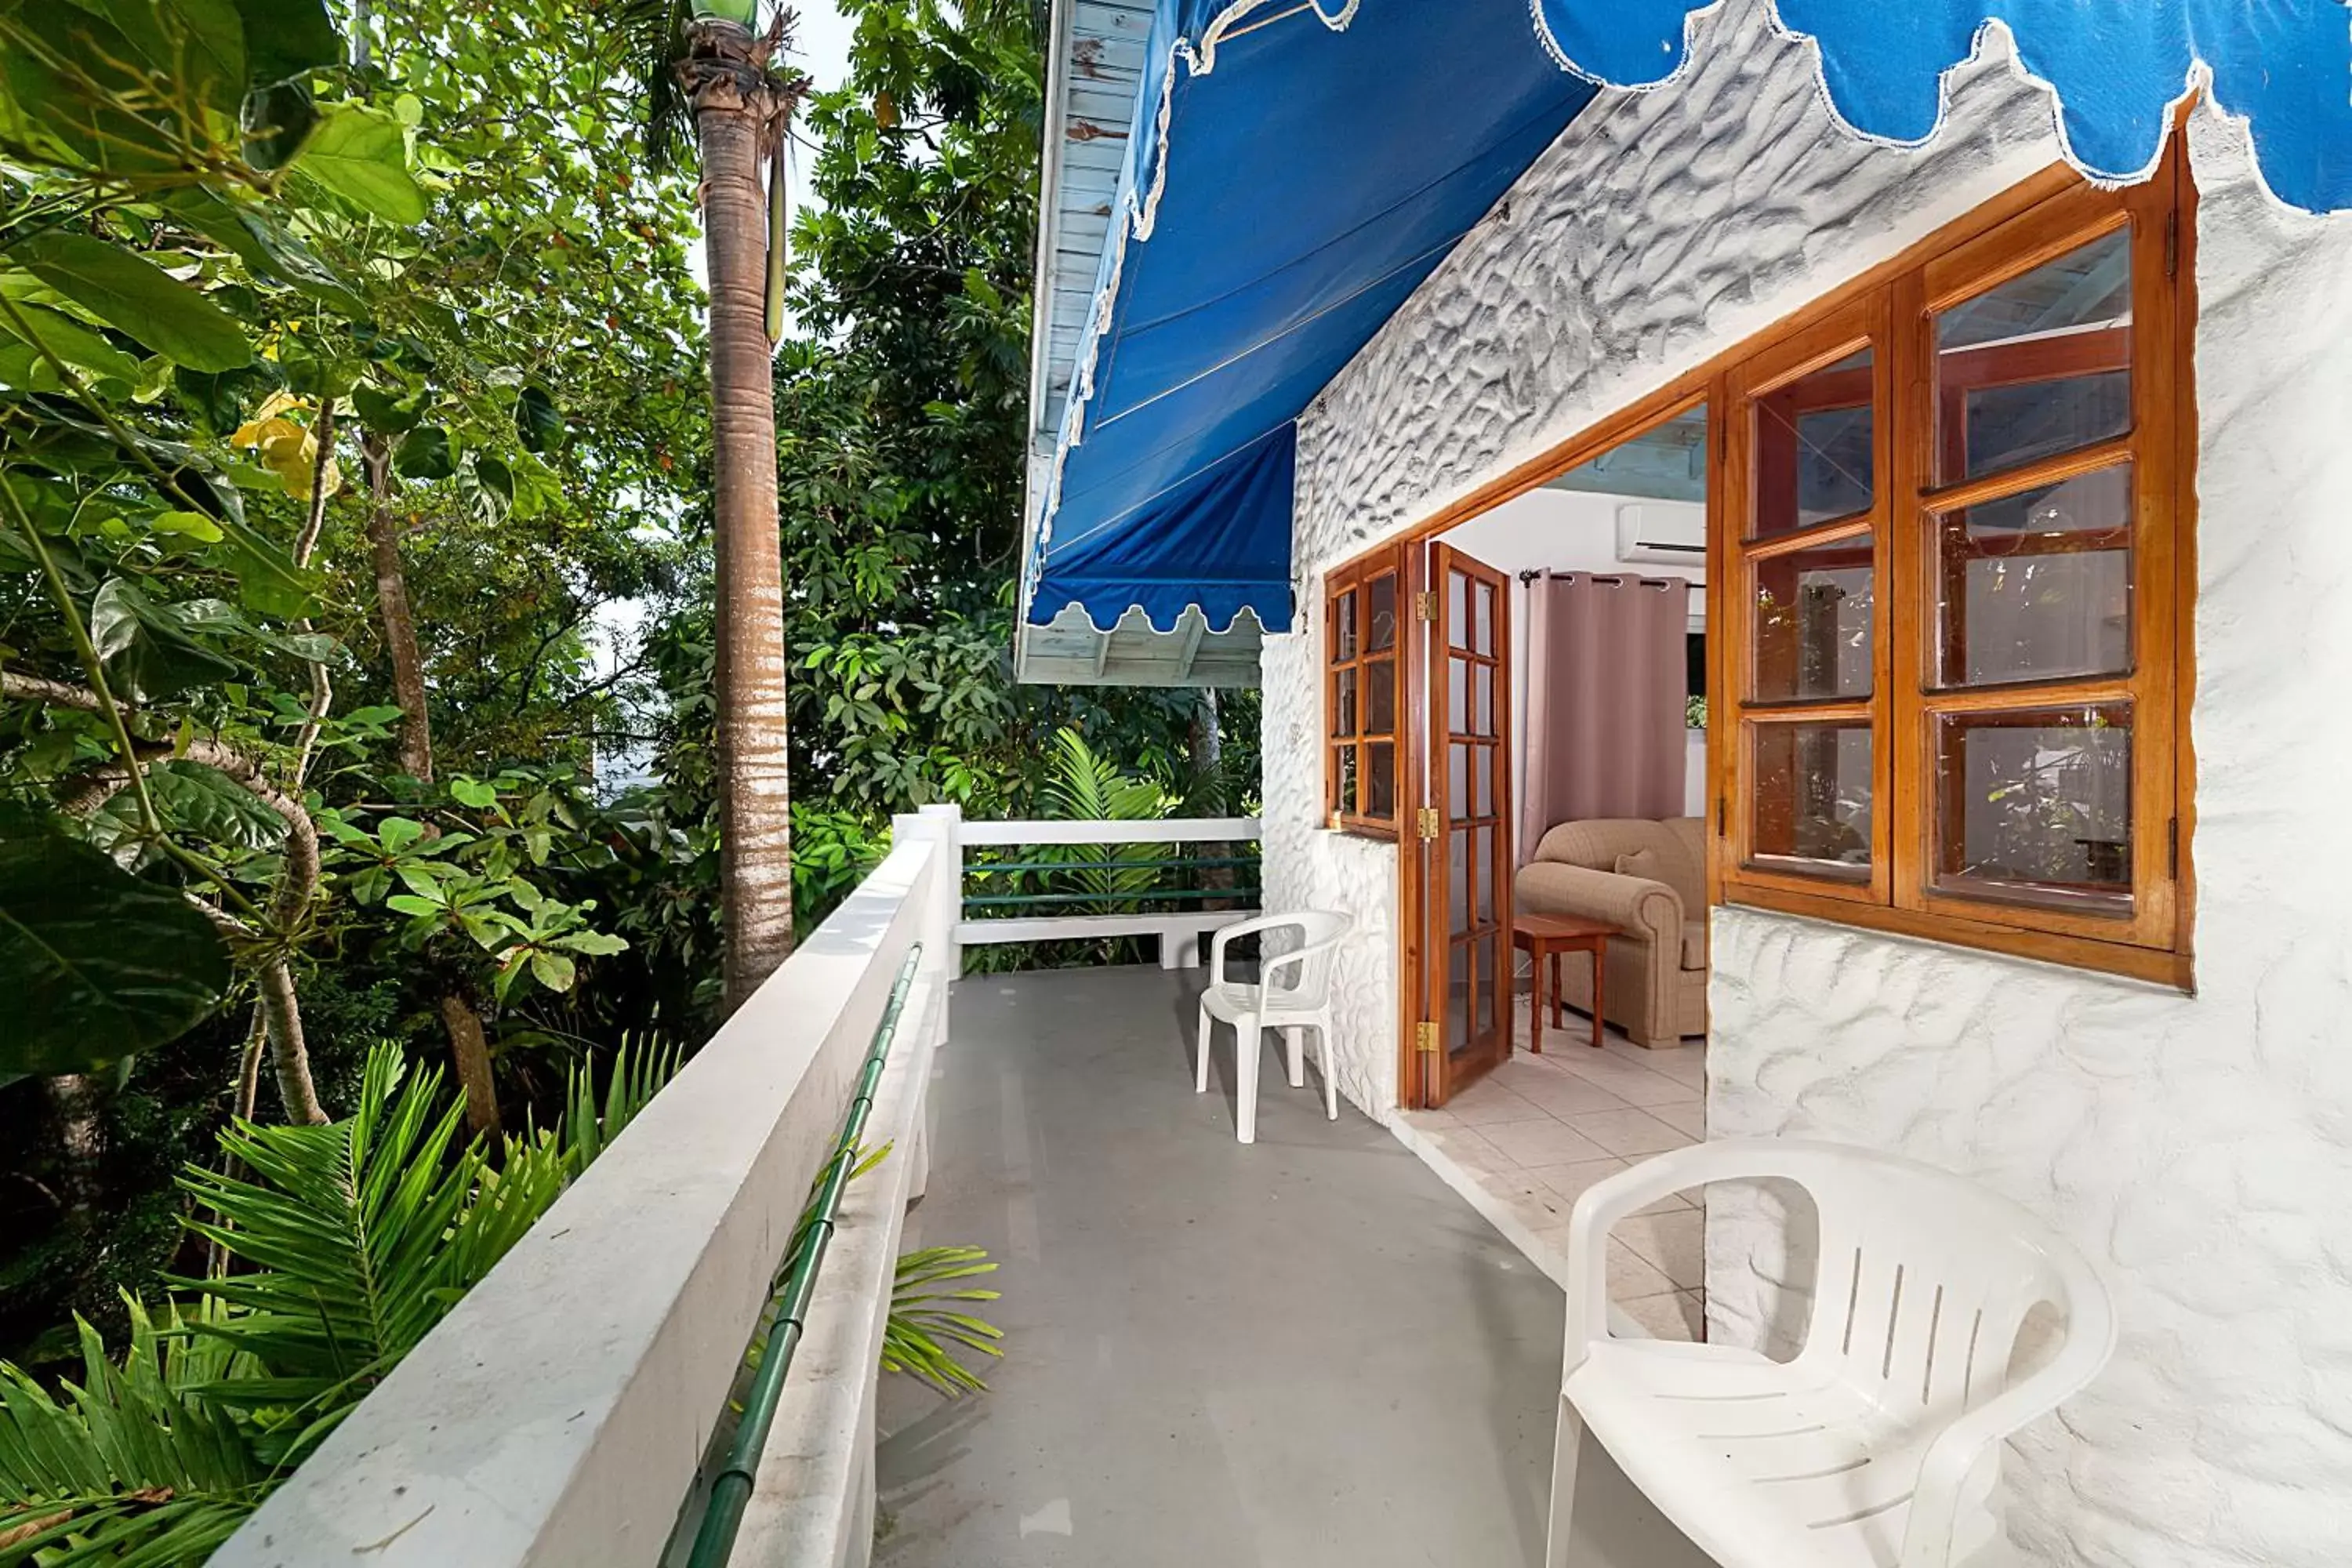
x=1429, y=822
x=2172, y=847
x=1424, y=1038
x=1425, y=605
x=2172, y=244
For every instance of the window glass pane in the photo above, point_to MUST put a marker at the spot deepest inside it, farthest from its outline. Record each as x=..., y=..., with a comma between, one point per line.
x=1379, y=697
x=2038, y=586
x=2035, y=806
x=1813, y=610
x=1343, y=702
x=1814, y=453
x=2039, y=365
x=1812, y=805
x=1346, y=756
x=1379, y=780
x=1343, y=627
x=1381, y=627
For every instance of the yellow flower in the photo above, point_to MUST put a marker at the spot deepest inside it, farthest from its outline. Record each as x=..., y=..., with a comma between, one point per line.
x=286, y=449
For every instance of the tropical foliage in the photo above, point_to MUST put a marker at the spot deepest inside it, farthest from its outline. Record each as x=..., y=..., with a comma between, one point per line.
x=342, y=1245
x=356, y=653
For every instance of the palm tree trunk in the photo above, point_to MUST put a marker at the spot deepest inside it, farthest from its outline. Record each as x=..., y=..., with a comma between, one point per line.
x=392, y=610
x=734, y=101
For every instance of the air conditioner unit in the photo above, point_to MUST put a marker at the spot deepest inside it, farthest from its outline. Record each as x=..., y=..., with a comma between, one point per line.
x=1664, y=531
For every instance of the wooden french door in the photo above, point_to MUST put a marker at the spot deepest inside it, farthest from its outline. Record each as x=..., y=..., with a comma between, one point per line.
x=1465, y=832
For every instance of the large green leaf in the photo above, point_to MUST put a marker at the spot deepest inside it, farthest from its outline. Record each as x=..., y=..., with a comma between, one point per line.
x=276, y=119
x=286, y=38
x=148, y=645
x=71, y=342
x=198, y=46
x=208, y=803
x=361, y=155
x=537, y=419
x=127, y=290
x=425, y=454
x=50, y=56
x=95, y=964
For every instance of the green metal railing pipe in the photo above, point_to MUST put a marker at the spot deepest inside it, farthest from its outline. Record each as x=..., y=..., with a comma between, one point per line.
x=1173, y=895
x=1176, y=863
x=731, y=1489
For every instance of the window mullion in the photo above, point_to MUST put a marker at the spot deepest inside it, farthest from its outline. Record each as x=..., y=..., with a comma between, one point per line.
x=1905, y=629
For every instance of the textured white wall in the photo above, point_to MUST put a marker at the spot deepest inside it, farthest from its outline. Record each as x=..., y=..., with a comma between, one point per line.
x=1662, y=227
x=2196, y=1148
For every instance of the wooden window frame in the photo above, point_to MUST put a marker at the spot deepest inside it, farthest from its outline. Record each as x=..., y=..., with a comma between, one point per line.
x=1356, y=578
x=1894, y=311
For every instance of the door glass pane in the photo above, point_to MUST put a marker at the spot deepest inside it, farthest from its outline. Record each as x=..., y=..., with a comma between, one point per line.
x=2037, y=587
x=2034, y=806
x=1482, y=853
x=1481, y=790
x=1379, y=697
x=1812, y=801
x=1813, y=610
x=1343, y=702
x=1457, y=997
x=1483, y=641
x=1343, y=627
x=1380, y=619
x=1815, y=457
x=1457, y=872
x=1458, y=610
x=1457, y=780
x=1482, y=700
x=1346, y=758
x=1379, y=780
x=1457, y=695
x=2038, y=365
x=1483, y=1019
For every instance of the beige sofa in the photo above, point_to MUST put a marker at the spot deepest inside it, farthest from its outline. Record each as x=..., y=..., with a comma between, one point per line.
x=1657, y=964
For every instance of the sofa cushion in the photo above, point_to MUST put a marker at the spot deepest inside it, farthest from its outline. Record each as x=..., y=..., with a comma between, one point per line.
x=1680, y=843
x=1694, y=944
x=1645, y=863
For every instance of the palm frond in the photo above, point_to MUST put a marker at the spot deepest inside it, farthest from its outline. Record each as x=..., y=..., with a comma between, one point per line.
x=1086, y=786
x=923, y=1333
x=349, y=1229
x=129, y=1468
x=641, y=1068
x=652, y=35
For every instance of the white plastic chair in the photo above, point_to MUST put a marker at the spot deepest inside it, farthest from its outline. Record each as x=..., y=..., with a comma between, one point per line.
x=1292, y=995
x=1880, y=1445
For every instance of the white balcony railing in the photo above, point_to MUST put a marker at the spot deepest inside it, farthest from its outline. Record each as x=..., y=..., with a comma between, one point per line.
x=565, y=1409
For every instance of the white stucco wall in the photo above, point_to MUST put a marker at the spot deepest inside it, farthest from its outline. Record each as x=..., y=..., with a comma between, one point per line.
x=2197, y=1148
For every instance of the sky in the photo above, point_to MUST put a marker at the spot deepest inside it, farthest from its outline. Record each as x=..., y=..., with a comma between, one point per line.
x=823, y=41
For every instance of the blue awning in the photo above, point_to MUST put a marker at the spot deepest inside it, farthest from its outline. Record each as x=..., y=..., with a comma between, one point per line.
x=1296, y=169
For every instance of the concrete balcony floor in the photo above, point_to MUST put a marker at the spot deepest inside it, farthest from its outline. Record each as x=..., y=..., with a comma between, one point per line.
x=1305, y=1351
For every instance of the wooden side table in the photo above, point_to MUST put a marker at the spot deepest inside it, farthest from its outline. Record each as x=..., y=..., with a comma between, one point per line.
x=1546, y=937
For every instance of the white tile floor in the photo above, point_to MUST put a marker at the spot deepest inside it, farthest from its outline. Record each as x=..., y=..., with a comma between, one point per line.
x=1540, y=1130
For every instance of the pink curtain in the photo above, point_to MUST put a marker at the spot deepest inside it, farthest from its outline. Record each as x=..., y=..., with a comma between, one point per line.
x=1606, y=681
